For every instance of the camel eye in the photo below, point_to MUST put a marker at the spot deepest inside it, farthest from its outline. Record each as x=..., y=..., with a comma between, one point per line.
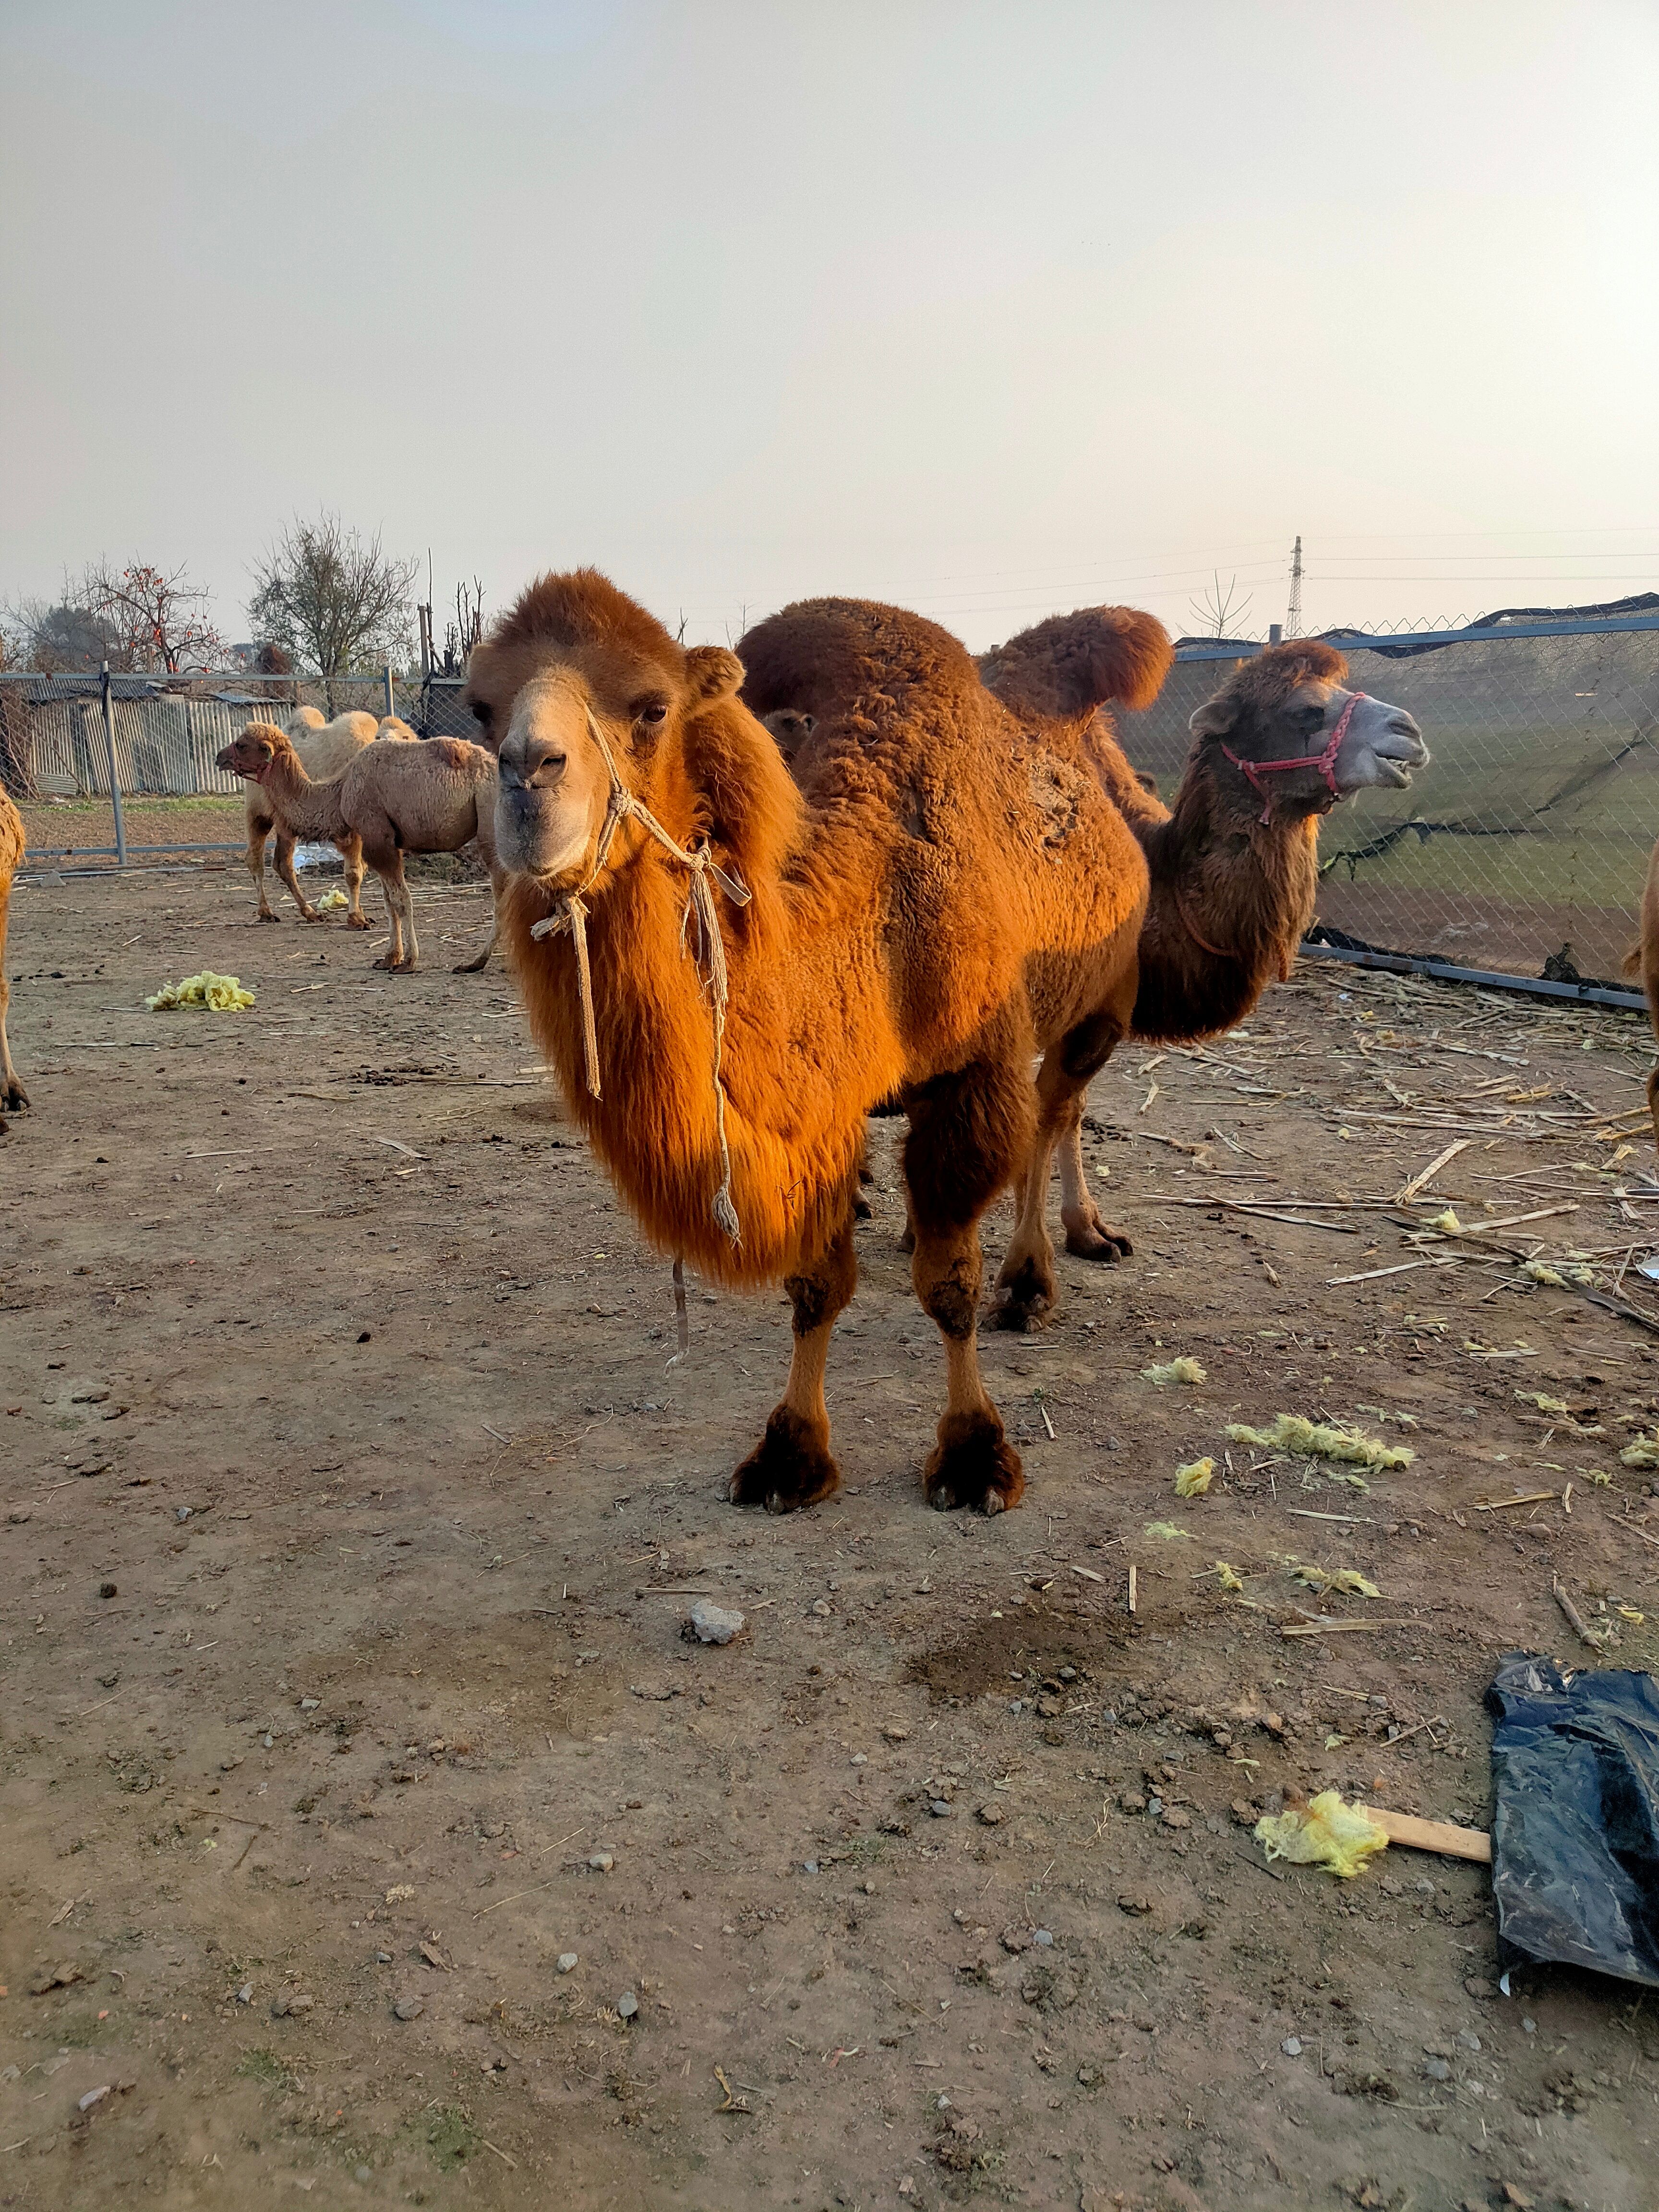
x=652, y=712
x=483, y=711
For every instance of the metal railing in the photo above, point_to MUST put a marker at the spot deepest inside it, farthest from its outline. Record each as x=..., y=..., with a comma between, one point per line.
x=1519, y=854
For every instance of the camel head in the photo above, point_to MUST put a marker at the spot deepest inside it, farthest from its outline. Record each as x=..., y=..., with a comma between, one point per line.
x=255, y=752
x=1285, y=736
x=575, y=663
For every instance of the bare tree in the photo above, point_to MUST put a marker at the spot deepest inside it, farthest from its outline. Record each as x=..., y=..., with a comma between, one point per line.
x=1220, y=613
x=338, y=603
x=463, y=633
x=55, y=637
x=158, y=621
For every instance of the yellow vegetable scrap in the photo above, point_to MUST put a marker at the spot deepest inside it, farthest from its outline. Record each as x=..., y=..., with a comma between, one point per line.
x=1167, y=1530
x=218, y=995
x=1229, y=1578
x=1325, y=1833
x=1175, y=1371
x=1449, y=1222
x=1645, y=1452
x=1193, y=1480
x=1293, y=1433
x=1348, y=1580
x=1543, y=1400
x=331, y=900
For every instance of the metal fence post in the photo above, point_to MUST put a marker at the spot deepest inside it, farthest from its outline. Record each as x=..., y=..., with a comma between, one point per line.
x=114, y=776
x=391, y=699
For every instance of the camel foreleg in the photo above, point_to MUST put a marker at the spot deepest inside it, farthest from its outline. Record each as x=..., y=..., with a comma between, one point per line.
x=13, y=1096
x=285, y=843
x=351, y=850
x=258, y=831
x=792, y=1466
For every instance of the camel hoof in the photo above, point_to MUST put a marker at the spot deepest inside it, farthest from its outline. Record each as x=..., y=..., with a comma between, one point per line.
x=790, y=1468
x=1098, y=1240
x=471, y=967
x=862, y=1209
x=269, y=917
x=14, y=1098
x=906, y=1243
x=1028, y=1298
x=358, y=921
x=310, y=914
x=973, y=1464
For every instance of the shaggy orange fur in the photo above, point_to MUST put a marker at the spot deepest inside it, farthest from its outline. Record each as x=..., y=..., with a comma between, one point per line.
x=947, y=896
x=12, y=1093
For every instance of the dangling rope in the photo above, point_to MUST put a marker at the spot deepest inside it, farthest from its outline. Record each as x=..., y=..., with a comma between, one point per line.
x=571, y=913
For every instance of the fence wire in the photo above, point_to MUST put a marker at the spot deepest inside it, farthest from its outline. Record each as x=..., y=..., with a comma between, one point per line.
x=1522, y=848
x=53, y=744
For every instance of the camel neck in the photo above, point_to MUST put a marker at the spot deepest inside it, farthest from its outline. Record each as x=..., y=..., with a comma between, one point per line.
x=309, y=809
x=1230, y=897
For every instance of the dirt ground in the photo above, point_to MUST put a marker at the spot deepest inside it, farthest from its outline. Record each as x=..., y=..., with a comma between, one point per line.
x=351, y=1516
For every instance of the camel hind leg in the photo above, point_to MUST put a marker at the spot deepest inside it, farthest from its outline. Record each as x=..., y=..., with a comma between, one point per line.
x=970, y=1132
x=351, y=850
x=792, y=1466
x=13, y=1096
x=475, y=966
x=1088, y=1235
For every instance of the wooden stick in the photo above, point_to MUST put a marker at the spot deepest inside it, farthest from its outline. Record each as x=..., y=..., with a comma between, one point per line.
x=1132, y=1590
x=1503, y=1505
x=1444, y=1836
x=1575, y=1618
x=1339, y=1627
x=1409, y=1191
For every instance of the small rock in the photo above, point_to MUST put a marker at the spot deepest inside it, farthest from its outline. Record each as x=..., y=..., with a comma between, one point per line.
x=1243, y=1813
x=1468, y=2038
x=55, y=1978
x=383, y=1958
x=1043, y=1938
x=1087, y=2075
x=97, y=2096
x=1292, y=2047
x=108, y=1589
x=895, y=1734
x=858, y=1760
x=939, y=1808
x=1132, y=1802
x=991, y=1814
x=822, y=1608
x=408, y=2009
x=1136, y=1907
x=1016, y=1939
x=1174, y=1817
x=181, y=1512
x=1477, y=1986
x=809, y=1866
x=309, y=1704
x=1155, y=1808
x=1437, y=2069
x=566, y=1963
x=1514, y=2196
x=293, y=2008
x=1049, y=1709
x=244, y=1994
x=712, y=1623
x=627, y=2005
x=600, y=1861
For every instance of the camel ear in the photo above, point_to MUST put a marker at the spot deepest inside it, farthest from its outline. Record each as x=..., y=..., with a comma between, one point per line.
x=1213, y=718
x=713, y=673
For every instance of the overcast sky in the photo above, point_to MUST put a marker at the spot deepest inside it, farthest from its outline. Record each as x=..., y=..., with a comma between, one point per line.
x=987, y=309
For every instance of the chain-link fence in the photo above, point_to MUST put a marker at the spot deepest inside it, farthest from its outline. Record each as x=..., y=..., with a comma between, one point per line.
x=1521, y=849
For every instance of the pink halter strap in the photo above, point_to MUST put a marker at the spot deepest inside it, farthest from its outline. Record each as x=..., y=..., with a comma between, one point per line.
x=1325, y=761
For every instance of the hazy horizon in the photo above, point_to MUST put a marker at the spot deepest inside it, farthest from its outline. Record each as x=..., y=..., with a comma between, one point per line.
x=987, y=311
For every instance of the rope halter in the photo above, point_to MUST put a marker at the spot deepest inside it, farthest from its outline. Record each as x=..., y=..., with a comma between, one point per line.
x=707, y=953
x=1325, y=761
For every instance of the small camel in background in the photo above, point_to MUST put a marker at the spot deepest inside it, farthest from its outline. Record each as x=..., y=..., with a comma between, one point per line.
x=433, y=796
x=1643, y=960
x=326, y=749
x=12, y=1093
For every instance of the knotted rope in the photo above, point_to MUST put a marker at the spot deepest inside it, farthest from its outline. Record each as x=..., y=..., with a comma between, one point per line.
x=571, y=913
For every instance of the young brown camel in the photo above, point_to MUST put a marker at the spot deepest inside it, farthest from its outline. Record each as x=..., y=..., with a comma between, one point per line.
x=947, y=898
x=1642, y=959
x=429, y=796
x=1233, y=865
x=326, y=748
x=12, y=1093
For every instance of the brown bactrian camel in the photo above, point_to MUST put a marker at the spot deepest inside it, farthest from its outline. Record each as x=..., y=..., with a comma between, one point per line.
x=12, y=1093
x=947, y=898
x=1642, y=959
x=432, y=796
x=1234, y=863
x=325, y=749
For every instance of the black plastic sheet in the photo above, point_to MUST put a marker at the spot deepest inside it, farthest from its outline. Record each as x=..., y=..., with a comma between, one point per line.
x=1575, y=1838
